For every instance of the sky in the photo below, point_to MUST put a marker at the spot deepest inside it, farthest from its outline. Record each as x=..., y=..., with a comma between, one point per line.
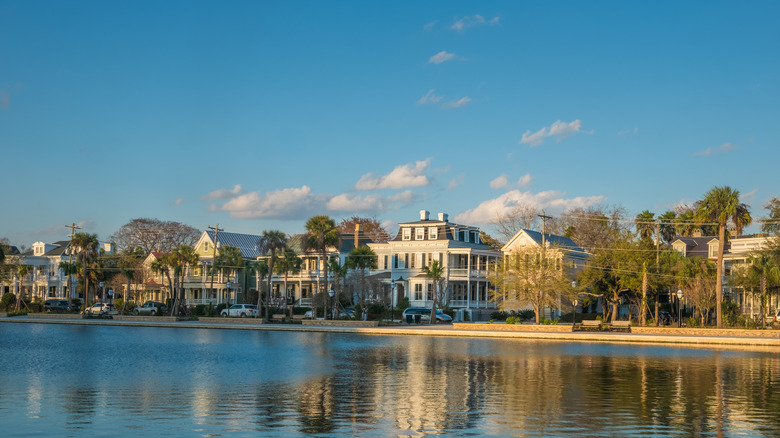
x=256, y=115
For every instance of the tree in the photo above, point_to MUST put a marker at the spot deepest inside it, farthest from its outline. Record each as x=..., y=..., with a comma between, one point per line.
x=645, y=224
x=269, y=243
x=760, y=272
x=21, y=272
x=321, y=232
x=182, y=257
x=289, y=263
x=530, y=276
x=85, y=245
x=435, y=272
x=163, y=265
x=360, y=259
x=696, y=276
x=69, y=269
x=229, y=261
x=488, y=240
x=260, y=269
x=154, y=235
x=369, y=227
x=771, y=224
x=721, y=205
x=592, y=227
x=614, y=270
x=666, y=226
x=521, y=216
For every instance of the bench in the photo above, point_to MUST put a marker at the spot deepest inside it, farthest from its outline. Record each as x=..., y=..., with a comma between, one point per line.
x=299, y=317
x=278, y=317
x=590, y=324
x=621, y=325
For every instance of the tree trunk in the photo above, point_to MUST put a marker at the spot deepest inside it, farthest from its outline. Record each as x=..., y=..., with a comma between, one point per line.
x=719, y=280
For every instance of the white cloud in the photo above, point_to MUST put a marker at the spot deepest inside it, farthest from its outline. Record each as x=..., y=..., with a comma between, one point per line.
x=440, y=57
x=499, y=182
x=495, y=21
x=455, y=182
x=406, y=197
x=503, y=181
x=353, y=202
x=560, y=130
x=628, y=131
x=429, y=26
x=722, y=149
x=223, y=194
x=429, y=97
x=466, y=22
x=457, y=103
x=179, y=202
x=554, y=201
x=291, y=203
x=407, y=175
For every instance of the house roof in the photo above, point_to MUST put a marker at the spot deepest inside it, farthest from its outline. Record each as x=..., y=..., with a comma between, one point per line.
x=246, y=243
x=551, y=239
x=697, y=246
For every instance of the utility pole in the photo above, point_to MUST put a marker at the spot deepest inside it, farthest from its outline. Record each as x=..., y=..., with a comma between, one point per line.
x=543, y=261
x=214, y=255
x=657, y=264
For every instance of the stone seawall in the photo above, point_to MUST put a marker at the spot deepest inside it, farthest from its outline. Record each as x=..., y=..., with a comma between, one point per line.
x=683, y=331
x=145, y=318
x=340, y=323
x=511, y=327
x=223, y=320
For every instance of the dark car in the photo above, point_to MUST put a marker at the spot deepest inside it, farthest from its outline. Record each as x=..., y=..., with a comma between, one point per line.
x=57, y=306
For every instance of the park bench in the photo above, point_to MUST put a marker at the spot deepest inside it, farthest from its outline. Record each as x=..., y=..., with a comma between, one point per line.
x=621, y=325
x=278, y=317
x=590, y=324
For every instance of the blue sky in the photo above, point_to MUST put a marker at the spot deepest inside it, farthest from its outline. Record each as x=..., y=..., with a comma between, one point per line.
x=257, y=115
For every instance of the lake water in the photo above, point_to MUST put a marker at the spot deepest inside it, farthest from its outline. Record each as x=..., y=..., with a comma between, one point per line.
x=74, y=380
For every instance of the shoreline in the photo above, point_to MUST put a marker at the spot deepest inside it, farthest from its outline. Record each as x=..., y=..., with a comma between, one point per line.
x=771, y=344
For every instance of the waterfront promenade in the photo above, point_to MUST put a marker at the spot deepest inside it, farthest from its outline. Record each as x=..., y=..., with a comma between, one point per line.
x=742, y=339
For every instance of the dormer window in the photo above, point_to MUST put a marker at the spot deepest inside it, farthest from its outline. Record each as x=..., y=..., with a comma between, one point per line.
x=407, y=233
x=205, y=247
x=419, y=233
x=433, y=233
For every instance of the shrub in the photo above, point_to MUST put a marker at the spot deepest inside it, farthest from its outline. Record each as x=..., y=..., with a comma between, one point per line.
x=510, y=320
x=200, y=310
x=692, y=322
x=8, y=301
x=526, y=315
x=745, y=321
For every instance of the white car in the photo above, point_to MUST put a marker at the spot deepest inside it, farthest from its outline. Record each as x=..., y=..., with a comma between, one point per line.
x=240, y=310
x=423, y=314
x=102, y=309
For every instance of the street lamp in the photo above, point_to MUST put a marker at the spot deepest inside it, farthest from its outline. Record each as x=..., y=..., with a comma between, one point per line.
x=331, y=292
x=392, y=298
x=228, y=284
x=574, y=311
x=102, y=297
x=679, y=314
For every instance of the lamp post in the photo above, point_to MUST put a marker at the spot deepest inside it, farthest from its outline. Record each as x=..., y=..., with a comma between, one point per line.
x=679, y=307
x=392, y=299
x=332, y=293
x=575, y=302
x=102, y=297
x=228, y=284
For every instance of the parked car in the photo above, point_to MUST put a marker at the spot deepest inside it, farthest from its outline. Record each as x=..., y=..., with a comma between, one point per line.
x=57, y=306
x=240, y=310
x=424, y=314
x=777, y=315
x=151, y=308
x=102, y=309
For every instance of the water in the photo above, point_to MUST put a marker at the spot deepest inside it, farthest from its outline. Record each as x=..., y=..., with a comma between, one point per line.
x=63, y=380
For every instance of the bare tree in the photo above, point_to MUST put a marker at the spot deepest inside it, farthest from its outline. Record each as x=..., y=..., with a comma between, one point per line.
x=522, y=216
x=154, y=235
x=369, y=227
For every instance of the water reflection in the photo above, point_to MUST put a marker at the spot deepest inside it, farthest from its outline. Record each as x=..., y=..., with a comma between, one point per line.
x=73, y=380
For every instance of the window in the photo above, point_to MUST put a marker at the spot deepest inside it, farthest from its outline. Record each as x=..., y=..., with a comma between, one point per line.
x=205, y=247
x=395, y=262
x=406, y=261
x=407, y=233
x=384, y=262
x=418, y=292
x=433, y=233
x=419, y=233
x=430, y=292
x=423, y=260
x=414, y=257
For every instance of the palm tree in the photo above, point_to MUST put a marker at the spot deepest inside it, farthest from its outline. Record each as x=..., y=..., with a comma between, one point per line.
x=163, y=266
x=761, y=270
x=69, y=269
x=721, y=205
x=645, y=224
x=181, y=257
x=260, y=269
x=86, y=244
x=360, y=259
x=288, y=263
x=21, y=272
x=666, y=227
x=434, y=272
x=271, y=242
x=321, y=233
x=229, y=261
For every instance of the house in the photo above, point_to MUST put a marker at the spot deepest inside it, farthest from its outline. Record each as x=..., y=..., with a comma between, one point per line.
x=457, y=248
x=737, y=251
x=562, y=251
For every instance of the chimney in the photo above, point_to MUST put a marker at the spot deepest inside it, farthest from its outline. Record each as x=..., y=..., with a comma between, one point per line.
x=357, y=232
x=424, y=215
x=443, y=217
